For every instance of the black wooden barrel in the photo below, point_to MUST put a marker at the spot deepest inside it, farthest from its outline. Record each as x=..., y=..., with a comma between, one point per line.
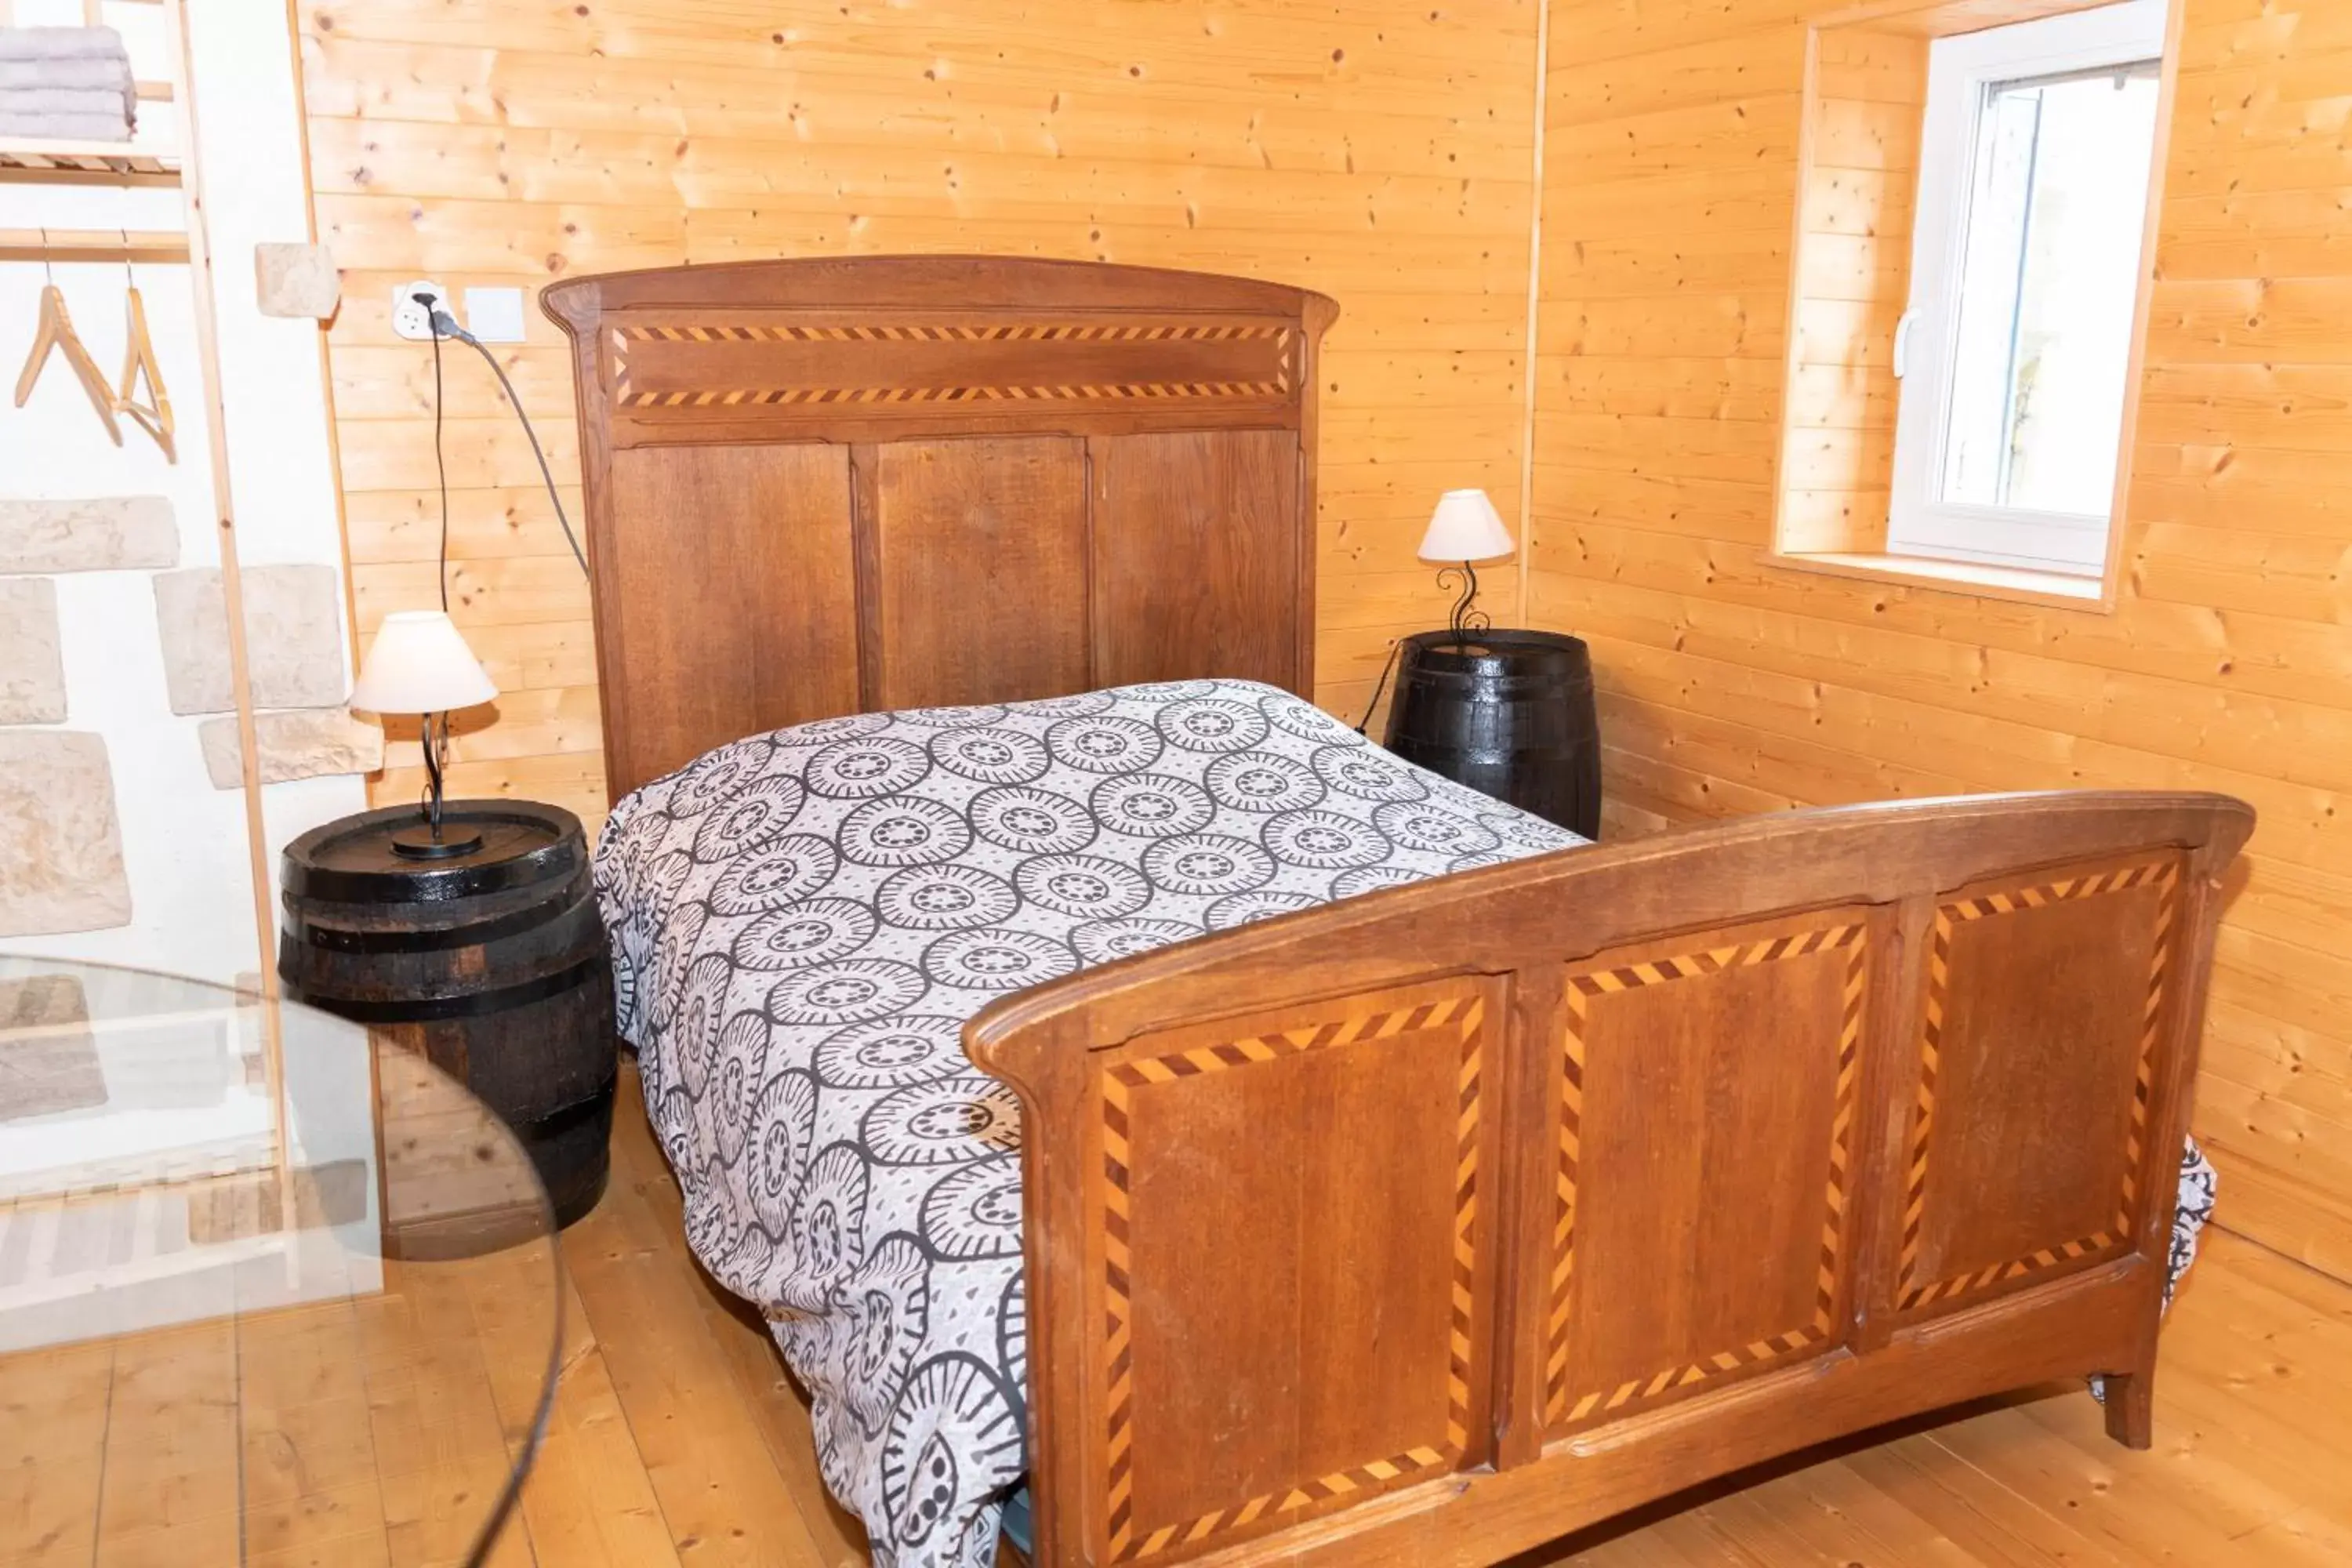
x=492, y=965
x=1509, y=713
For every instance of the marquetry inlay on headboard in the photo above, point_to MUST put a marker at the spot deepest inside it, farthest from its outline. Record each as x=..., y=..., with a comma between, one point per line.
x=816, y=486
x=900, y=360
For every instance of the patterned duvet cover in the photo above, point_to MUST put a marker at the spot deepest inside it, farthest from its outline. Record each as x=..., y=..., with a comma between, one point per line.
x=803, y=921
x=801, y=924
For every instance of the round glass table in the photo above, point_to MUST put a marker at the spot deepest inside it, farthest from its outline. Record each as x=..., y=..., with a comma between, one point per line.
x=270, y=1290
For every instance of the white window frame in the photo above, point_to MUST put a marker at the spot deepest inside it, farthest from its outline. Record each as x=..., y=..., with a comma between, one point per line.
x=1959, y=70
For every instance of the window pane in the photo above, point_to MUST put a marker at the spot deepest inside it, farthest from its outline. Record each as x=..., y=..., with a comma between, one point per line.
x=2047, y=286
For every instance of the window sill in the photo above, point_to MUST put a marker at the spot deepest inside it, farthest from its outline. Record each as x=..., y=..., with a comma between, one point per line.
x=2059, y=590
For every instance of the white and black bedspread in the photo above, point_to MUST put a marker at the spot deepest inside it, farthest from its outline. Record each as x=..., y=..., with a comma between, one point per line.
x=801, y=924
x=803, y=921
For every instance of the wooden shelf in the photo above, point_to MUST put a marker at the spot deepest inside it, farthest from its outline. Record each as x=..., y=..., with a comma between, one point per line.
x=97, y=158
x=92, y=245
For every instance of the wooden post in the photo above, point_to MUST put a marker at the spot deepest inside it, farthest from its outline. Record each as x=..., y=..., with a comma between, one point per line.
x=200, y=279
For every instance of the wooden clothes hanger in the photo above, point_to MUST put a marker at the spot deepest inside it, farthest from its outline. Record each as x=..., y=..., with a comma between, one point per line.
x=57, y=331
x=154, y=416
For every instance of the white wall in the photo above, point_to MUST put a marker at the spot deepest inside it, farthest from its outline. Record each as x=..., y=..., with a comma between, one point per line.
x=183, y=842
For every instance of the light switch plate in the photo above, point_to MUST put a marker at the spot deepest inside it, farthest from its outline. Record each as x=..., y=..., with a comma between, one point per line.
x=495, y=315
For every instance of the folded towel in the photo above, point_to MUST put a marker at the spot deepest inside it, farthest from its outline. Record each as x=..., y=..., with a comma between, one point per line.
x=61, y=44
x=66, y=127
x=61, y=100
x=113, y=76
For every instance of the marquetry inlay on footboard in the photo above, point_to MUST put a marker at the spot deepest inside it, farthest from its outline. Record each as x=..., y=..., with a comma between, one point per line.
x=1708, y=1107
x=2030, y=1013
x=1346, y=1144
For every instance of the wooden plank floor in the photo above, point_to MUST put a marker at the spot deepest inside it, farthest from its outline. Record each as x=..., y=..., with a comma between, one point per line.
x=676, y=1438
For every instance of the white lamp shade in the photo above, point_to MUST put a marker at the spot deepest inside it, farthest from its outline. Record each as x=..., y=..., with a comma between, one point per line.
x=418, y=664
x=1465, y=527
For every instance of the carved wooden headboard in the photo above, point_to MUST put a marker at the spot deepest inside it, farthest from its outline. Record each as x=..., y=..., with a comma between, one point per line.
x=828, y=486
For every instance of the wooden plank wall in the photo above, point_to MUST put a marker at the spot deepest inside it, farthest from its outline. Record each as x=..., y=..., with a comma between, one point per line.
x=1852, y=275
x=1379, y=152
x=1732, y=687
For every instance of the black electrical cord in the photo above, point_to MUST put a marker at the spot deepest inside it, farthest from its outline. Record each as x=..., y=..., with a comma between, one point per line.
x=441, y=466
x=445, y=325
x=1386, y=669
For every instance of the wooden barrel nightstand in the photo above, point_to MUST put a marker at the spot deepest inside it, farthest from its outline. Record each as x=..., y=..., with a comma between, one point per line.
x=491, y=965
x=1509, y=713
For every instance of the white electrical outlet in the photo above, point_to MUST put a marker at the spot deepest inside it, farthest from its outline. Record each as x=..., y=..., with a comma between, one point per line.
x=411, y=319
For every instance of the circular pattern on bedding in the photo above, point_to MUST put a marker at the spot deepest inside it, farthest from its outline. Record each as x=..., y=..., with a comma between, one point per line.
x=1152, y=805
x=848, y=726
x=1432, y=828
x=1073, y=706
x=1201, y=864
x=946, y=1121
x=695, y=1028
x=1241, y=908
x=975, y=1211
x=966, y=716
x=1263, y=781
x=945, y=897
x=1528, y=831
x=827, y=1233
x=784, y=872
x=1165, y=690
x=671, y=1110
x=783, y=1123
x=952, y=1443
x=845, y=1458
x=1371, y=879
x=743, y=1048
x=750, y=1251
x=1016, y=817
x=1012, y=1329
x=1324, y=840
x=996, y=958
x=1105, y=743
x=758, y=815
x=670, y=873
x=673, y=957
x=815, y=931
x=864, y=768
x=1215, y=724
x=1085, y=886
x=849, y=990
x=1101, y=942
x=997, y=756
x=904, y=830
x=707, y=780
x=1368, y=773
x=891, y=1053
x=1295, y=716
x=713, y=1230
x=884, y=1308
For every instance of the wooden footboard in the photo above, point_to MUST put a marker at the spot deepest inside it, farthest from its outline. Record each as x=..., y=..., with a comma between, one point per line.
x=1424, y=1227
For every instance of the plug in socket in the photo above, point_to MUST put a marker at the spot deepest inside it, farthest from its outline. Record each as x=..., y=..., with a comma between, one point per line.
x=411, y=320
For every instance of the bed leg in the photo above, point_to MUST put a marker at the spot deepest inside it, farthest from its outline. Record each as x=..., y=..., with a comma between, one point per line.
x=2131, y=1408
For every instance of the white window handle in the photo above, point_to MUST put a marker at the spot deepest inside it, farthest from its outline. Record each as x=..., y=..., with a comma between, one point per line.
x=1903, y=343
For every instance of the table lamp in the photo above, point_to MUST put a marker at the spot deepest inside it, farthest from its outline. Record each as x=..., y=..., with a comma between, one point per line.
x=419, y=664
x=1465, y=528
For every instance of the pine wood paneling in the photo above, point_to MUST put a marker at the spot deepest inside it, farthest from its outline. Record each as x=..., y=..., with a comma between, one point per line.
x=1852, y=282
x=1730, y=686
x=1379, y=153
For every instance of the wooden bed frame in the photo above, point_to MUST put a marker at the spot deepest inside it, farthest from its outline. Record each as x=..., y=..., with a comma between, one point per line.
x=1424, y=1227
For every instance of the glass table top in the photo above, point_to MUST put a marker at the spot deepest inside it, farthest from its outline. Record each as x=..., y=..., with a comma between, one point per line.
x=271, y=1288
